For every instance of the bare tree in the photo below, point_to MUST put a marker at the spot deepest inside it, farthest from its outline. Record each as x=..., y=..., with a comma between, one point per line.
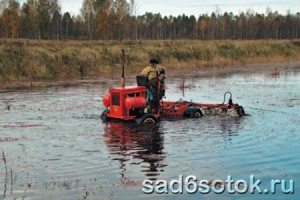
x=88, y=13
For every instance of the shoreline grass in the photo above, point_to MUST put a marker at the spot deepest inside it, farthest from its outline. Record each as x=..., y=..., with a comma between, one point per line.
x=44, y=60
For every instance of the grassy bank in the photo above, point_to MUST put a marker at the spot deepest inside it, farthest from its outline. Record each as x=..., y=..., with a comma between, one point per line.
x=23, y=60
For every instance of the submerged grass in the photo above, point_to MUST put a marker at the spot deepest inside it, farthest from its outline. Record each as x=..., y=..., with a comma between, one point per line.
x=61, y=60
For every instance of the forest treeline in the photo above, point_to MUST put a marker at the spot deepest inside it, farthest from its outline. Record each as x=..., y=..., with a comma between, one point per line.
x=117, y=20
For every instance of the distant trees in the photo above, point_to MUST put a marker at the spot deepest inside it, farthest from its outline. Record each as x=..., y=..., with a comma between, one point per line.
x=67, y=23
x=116, y=19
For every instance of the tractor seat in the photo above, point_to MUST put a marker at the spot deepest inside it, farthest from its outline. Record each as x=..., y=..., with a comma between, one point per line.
x=142, y=80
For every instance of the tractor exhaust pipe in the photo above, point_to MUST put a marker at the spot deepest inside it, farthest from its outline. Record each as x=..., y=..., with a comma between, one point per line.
x=123, y=72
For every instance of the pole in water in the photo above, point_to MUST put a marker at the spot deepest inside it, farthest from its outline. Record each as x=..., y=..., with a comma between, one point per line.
x=123, y=72
x=183, y=86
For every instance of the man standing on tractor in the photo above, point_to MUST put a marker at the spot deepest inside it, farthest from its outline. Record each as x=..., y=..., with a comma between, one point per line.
x=161, y=82
x=151, y=74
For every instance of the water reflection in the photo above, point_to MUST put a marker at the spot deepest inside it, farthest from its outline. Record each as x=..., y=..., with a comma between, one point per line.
x=143, y=149
x=131, y=145
x=230, y=126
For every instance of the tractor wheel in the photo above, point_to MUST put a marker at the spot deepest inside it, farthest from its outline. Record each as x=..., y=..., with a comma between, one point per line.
x=198, y=114
x=240, y=111
x=103, y=115
x=147, y=118
x=193, y=112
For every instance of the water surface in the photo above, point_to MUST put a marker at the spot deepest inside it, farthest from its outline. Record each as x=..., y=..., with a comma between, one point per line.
x=54, y=146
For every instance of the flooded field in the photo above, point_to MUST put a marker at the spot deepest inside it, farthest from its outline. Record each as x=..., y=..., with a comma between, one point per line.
x=53, y=144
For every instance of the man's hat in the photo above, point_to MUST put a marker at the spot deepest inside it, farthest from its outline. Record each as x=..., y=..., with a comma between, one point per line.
x=153, y=61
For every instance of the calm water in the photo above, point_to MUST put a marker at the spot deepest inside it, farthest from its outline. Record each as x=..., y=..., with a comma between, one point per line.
x=54, y=146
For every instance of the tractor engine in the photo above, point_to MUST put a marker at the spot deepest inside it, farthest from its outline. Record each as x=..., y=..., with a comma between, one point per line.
x=125, y=103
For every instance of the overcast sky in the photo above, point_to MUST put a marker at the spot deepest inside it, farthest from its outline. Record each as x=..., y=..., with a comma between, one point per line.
x=198, y=7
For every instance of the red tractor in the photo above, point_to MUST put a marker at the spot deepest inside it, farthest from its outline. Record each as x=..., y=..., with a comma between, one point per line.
x=130, y=104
